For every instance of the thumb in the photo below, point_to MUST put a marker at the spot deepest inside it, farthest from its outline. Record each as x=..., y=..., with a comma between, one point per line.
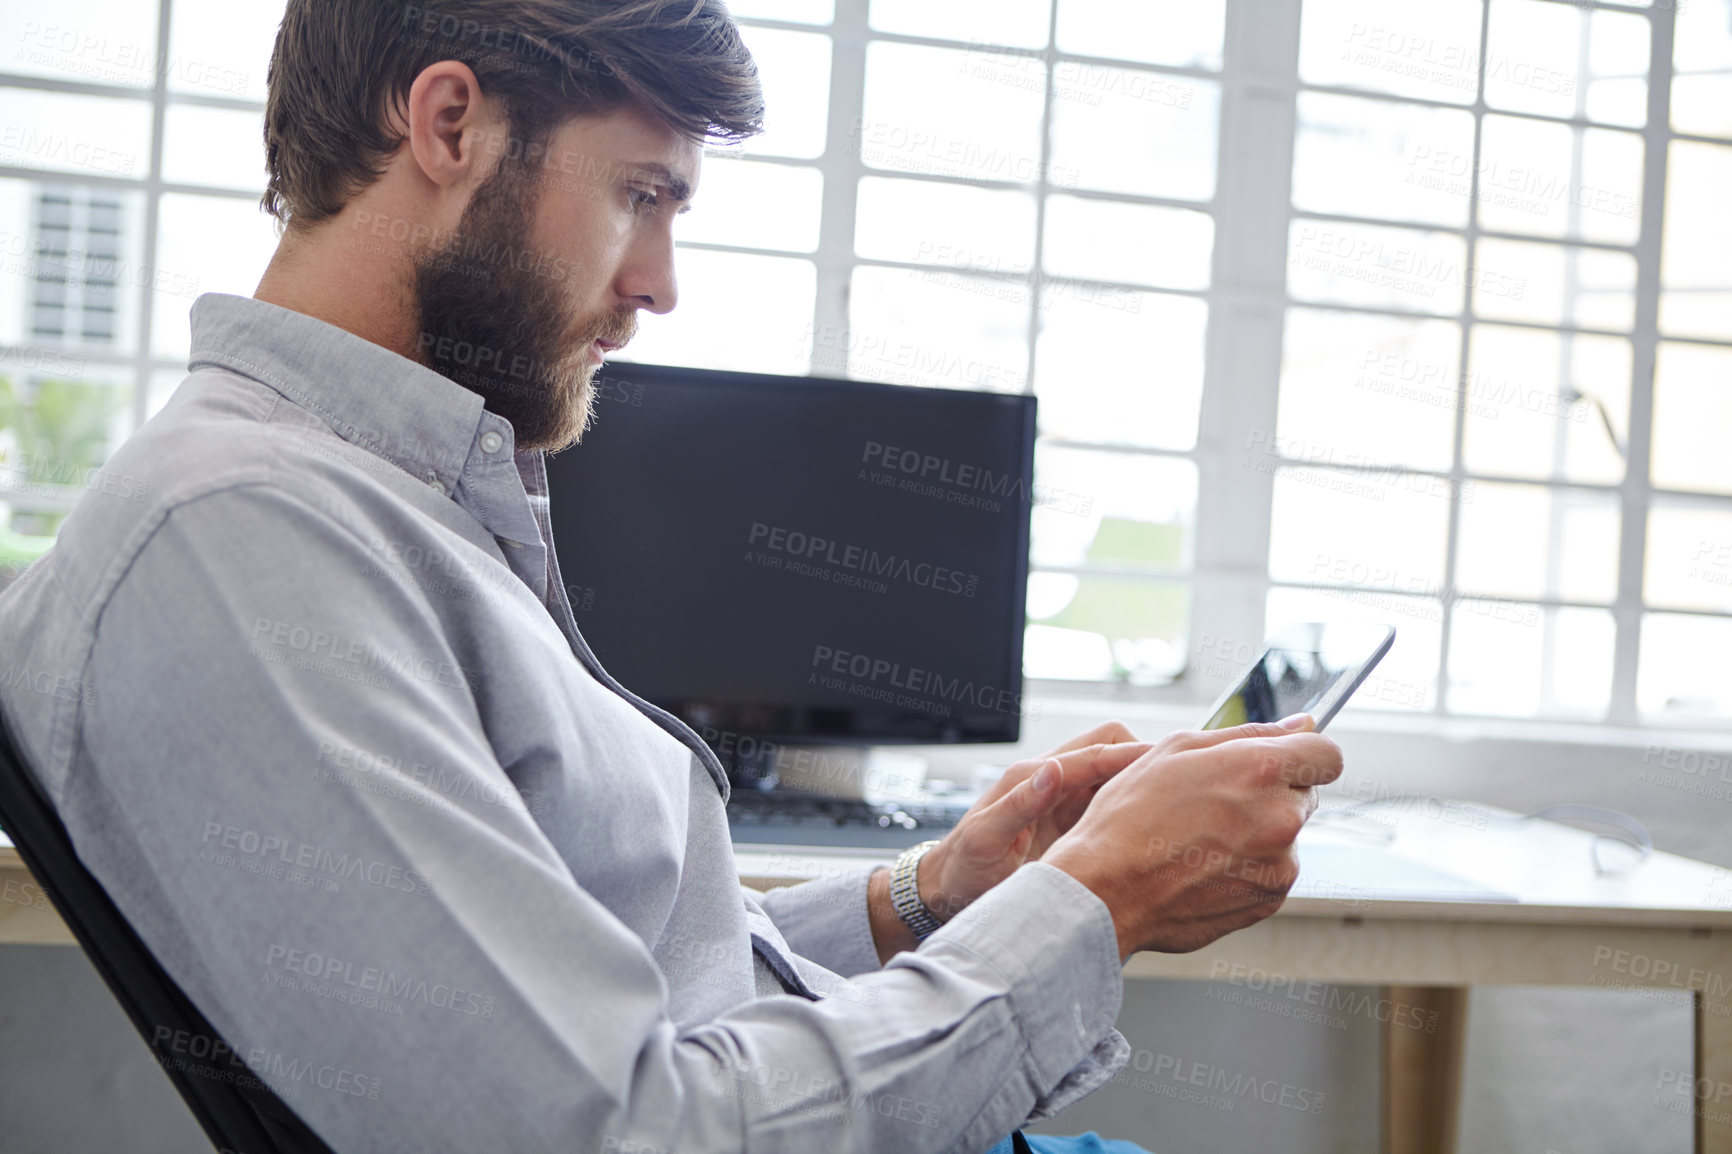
x=1294, y=723
x=1031, y=798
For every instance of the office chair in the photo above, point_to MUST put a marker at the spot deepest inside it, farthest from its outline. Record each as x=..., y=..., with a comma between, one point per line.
x=239, y=1113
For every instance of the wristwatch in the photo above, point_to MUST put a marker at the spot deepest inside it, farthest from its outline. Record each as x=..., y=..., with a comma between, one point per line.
x=905, y=892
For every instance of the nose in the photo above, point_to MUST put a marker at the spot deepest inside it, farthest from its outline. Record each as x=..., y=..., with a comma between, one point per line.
x=647, y=279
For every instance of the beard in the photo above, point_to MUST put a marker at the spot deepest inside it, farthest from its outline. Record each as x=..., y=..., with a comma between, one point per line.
x=495, y=317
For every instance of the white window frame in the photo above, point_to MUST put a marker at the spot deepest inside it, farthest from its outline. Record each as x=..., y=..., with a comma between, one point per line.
x=1247, y=301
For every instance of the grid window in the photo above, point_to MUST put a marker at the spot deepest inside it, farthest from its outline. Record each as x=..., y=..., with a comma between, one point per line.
x=1442, y=341
x=1015, y=198
x=1469, y=187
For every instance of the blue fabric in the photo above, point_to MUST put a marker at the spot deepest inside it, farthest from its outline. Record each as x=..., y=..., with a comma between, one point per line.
x=1090, y=1143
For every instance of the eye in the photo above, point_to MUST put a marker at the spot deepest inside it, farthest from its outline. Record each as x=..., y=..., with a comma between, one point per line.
x=641, y=198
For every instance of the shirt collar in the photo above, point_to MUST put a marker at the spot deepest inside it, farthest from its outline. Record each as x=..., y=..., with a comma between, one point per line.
x=408, y=414
x=426, y=424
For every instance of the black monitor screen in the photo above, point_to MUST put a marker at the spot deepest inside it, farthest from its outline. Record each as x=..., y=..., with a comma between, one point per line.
x=803, y=560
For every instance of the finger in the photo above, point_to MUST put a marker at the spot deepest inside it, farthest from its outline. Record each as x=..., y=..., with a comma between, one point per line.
x=1084, y=768
x=1090, y=766
x=1007, y=817
x=1014, y=775
x=1106, y=733
x=1309, y=759
x=1204, y=738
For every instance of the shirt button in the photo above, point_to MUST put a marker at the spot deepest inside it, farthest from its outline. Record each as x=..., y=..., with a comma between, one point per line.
x=490, y=441
x=438, y=486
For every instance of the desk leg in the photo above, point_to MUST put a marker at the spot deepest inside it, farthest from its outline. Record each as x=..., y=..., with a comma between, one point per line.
x=1713, y=1069
x=1422, y=1070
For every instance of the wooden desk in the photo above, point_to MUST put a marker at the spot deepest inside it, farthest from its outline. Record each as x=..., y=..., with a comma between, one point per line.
x=1544, y=916
x=1666, y=925
x=26, y=917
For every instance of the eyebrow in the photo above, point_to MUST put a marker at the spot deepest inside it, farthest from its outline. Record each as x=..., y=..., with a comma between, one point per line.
x=677, y=186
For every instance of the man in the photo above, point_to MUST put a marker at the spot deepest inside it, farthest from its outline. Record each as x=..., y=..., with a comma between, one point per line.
x=338, y=752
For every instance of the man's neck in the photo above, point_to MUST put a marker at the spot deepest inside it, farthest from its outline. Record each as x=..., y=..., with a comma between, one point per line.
x=328, y=273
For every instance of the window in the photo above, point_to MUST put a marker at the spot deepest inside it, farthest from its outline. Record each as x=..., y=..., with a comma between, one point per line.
x=1037, y=213
x=1416, y=311
x=131, y=162
x=1486, y=269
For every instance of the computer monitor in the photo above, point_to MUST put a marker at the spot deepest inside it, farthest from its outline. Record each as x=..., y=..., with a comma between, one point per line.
x=798, y=561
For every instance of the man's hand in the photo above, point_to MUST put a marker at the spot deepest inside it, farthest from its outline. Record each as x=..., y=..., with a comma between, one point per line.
x=1195, y=839
x=1015, y=821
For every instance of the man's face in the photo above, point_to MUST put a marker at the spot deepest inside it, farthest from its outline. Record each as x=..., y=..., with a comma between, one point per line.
x=554, y=254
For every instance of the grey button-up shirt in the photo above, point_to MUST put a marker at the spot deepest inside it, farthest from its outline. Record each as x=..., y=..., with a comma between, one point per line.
x=303, y=682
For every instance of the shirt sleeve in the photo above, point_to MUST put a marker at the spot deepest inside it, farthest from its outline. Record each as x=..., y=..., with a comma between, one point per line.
x=827, y=921
x=421, y=971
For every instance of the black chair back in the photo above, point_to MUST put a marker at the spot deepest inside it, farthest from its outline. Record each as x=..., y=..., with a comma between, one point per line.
x=239, y=1113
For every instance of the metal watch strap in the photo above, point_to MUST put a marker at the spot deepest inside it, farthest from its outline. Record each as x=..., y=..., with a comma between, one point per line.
x=905, y=892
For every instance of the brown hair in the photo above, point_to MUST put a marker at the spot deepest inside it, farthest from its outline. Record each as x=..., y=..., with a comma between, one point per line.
x=340, y=66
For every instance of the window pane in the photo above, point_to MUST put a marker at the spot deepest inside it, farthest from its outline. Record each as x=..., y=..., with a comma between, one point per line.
x=1129, y=243
x=1530, y=541
x=724, y=295
x=1016, y=23
x=73, y=263
x=793, y=11
x=1692, y=411
x=1696, y=257
x=1424, y=48
x=1393, y=521
x=1181, y=33
x=950, y=113
x=18, y=257
x=925, y=222
x=1362, y=264
x=94, y=41
x=928, y=328
x=1702, y=57
x=1117, y=510
x=206, y=244
x=214, y=146
x=1554, y=284
x=1507, y=659
x=1382, y=160
x=1105, y=628
x=1120, y=130
x=56, y=428
x=1616, y=82
x=1404, y=681
x=755, y=205
x=1096, y=379
x=1534, y=56
x=1683, y=668
x=1531, y=180
x=162, y=387
x=95, y=135
x=1347, y=380
x=223, y=48
x=794, y=68
x=1689, y=558
x=1538, y=404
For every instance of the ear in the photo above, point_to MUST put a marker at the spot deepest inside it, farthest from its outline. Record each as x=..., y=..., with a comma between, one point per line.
x=448, y=123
